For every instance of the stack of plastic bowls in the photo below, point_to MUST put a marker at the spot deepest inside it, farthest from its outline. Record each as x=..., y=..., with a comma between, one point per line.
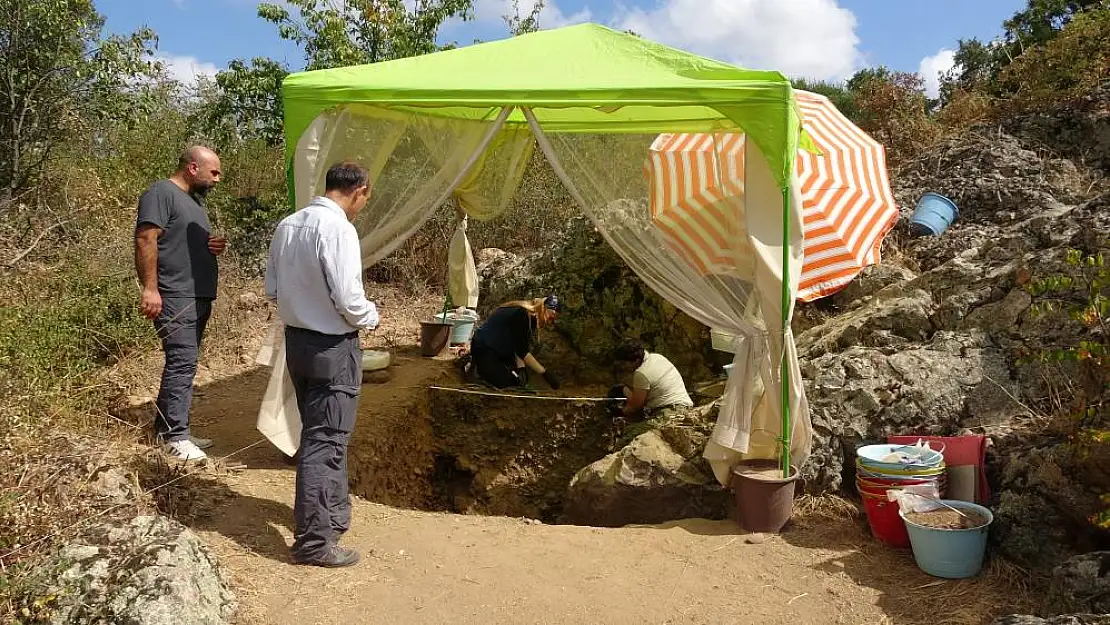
x=881, y=468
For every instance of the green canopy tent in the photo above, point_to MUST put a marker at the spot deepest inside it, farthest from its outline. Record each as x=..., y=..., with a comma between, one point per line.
x=463, y=123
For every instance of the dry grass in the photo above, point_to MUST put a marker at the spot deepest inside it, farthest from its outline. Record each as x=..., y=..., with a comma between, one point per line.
x=1002, y=588
x=812, y=509
x=835, y=523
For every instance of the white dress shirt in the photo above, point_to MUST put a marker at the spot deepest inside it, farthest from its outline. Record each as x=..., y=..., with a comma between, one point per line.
x=314, y=272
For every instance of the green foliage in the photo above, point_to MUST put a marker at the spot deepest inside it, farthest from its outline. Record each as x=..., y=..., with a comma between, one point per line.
x=250, y=202
x=247, y=105
x=1043, y=19
x=1083, y=294
x=1063, y=68
x=979, y=66
x=333, y=33
x=353, y=32
x=92, y=321
x=519, y=24
x=58, y=73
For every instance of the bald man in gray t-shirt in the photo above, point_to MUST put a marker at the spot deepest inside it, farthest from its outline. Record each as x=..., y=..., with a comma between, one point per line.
x=175, y=257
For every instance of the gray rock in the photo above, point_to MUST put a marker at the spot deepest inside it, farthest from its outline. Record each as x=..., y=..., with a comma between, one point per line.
x=149, y=571
x=891, y=321
x=867, y=393
x=999, y=317
x=1082, y=584
x=113, y=484
x=869, y=282
x=1068, y=619
x=645, y=482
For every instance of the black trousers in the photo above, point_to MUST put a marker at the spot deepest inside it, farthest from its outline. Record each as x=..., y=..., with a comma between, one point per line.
x=493, y=368
x=180, y=325
x=327, y=374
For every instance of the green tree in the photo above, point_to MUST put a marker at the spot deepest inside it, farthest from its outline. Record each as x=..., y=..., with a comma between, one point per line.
x=1068, y=66
x=337, y=33
x=978, y=64
x=1043, y=19
x=57, y=75
x=246, y=104
x=842, y=98
x=893, y=108
x=520, y=23
x=332, y=33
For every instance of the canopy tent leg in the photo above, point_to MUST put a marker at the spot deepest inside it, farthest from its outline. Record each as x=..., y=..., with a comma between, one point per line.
x=784, y=369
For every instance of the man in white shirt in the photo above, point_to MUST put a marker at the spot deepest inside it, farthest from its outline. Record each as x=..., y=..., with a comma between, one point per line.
x=657, y=385
x=314, y=274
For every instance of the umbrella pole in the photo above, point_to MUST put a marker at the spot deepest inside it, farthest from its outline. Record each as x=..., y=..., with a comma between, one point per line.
x=784, y=378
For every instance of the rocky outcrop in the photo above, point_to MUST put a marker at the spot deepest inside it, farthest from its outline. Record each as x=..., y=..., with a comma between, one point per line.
x=1079, y=130
x=865, y=393
x=1068, y=619
x=149, y=571
x=1080, y=588
x=1082, y=584
x=648, y=481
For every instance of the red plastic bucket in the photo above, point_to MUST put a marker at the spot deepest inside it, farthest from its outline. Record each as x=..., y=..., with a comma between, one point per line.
x=878, y=486
x=886, y=524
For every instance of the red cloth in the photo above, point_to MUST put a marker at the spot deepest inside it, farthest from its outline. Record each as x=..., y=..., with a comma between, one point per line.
x=965, y=458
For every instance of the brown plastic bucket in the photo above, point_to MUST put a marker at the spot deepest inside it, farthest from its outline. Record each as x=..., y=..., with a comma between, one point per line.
x=764, y=499
x=434, y=337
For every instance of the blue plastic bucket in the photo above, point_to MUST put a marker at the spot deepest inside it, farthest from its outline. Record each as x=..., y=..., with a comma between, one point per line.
x=461, y=327
x=933, y=214
x=952, y=554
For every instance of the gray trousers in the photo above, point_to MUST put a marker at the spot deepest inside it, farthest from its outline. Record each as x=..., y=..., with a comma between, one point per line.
x=327, y=375
x=180, y=325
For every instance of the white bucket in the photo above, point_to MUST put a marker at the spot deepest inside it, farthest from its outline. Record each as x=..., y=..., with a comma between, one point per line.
x=373, y=360
x=724, y=341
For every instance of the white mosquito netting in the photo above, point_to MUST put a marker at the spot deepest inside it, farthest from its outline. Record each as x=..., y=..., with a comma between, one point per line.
x=417, y=162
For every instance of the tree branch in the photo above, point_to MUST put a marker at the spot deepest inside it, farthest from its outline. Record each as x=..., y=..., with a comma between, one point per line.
x=12, y=263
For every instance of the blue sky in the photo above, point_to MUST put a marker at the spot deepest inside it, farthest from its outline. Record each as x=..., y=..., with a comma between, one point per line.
x=826, y=39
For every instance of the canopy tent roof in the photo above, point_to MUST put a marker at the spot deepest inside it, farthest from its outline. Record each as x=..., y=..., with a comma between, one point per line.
x=584, y=78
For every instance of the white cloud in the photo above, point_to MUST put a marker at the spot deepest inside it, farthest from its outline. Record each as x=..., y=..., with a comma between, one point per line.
x=551, y=16
x=933, y=68
x=186, y=69
x=179, y=3
x=801, y=38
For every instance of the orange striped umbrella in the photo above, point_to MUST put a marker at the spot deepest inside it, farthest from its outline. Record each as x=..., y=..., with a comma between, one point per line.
x=697, y=185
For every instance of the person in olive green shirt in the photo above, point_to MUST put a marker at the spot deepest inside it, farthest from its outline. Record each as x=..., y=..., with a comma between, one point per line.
x=656, y=383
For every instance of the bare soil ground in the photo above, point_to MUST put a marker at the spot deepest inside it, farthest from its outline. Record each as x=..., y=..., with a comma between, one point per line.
x=427, y=567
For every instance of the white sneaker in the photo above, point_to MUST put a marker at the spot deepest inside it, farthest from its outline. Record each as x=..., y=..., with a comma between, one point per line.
x=201, y=443
x=185, y=450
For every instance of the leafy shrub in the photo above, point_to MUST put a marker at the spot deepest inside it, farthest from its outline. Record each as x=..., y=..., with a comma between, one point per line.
x=1063, y=68
x=1083, y=294
x=49, y=345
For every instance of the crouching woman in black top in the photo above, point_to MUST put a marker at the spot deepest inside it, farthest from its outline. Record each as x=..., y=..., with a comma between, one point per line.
x=501, y=350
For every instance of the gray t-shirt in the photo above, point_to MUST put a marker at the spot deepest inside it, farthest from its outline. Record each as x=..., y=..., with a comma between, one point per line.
x=185, y=266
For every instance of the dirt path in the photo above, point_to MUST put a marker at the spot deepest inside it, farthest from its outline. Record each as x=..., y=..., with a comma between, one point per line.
x=422, y=567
